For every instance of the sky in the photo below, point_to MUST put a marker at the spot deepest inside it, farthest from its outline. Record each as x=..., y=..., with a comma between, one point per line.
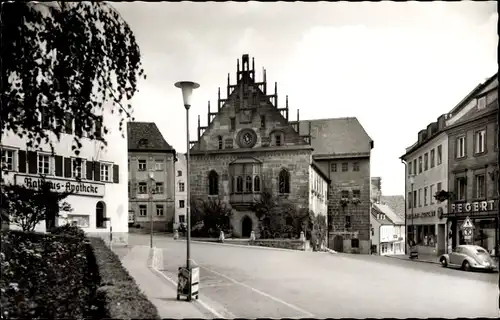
x=395, y=66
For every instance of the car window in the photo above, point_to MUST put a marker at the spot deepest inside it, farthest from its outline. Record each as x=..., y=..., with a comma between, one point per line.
x=481, y=251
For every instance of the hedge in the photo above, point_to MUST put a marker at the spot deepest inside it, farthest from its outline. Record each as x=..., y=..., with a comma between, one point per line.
x=118, y=294
x=46, y=276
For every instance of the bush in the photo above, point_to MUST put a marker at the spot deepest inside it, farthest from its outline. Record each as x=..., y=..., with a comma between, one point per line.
x=69, y=230
x=118, y=293
x=46, y=276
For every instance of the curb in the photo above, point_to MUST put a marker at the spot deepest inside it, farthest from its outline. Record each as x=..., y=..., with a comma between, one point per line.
x=415, y=260
x=244, y=245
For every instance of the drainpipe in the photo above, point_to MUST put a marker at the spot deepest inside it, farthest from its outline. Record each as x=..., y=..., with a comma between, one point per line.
x=406, y=205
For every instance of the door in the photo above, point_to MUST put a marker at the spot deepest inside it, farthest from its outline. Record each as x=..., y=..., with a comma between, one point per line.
x=338, y=243
x=246, y=227
x=456, y=256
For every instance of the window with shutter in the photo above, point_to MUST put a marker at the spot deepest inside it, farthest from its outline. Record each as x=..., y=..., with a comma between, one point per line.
x=89, y=170
x=58, y=166
x=32, y=162
x=116, y=173
x=67, y=167
x=97, y=171
x=22, y=161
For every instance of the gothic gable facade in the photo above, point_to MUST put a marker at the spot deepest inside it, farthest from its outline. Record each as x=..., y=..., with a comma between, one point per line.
x=247, y=147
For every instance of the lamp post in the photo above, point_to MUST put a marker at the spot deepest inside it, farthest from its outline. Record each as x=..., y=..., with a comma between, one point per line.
x=189, y=286
x=150, y=202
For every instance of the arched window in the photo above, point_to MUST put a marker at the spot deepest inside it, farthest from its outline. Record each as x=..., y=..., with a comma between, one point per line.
x=100, y=215
x=248, y=184
x=239, y=184
x=256, y=184
x=219, y=138
x=284, y=181
x=213, y=183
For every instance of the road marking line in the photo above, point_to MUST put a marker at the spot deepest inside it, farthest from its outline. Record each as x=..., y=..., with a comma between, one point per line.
x=203, y=304
x=306, y=313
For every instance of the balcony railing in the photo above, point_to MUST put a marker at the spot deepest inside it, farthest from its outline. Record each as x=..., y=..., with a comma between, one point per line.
x=244, y=198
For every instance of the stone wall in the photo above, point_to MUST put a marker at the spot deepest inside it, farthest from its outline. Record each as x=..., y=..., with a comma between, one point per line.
x=296, y=162
x=360, y=213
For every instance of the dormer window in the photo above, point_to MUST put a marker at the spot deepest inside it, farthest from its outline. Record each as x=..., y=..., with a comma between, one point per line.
x=143, y=143
x=481, y=103
x=278, y=140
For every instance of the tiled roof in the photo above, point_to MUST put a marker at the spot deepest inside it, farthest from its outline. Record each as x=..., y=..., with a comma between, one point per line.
x=380, y=221
x=337, y=136
x=147, y=136
x=396, y=203
x=388, y=213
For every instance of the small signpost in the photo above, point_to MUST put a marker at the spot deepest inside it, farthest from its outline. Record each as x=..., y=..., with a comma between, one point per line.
x=467, y=229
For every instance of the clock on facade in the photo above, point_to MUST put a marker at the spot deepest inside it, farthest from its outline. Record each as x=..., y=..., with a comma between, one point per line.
x=247, y=138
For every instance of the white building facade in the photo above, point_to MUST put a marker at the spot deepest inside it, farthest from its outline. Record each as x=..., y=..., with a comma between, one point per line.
x=180, y=190
x=387, y=231
x=426, y=174
x=100, y=202
x=318, y=192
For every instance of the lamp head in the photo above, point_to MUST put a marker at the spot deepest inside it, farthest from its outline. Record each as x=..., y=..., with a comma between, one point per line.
x=151, y=174
x=187, y=88
x=412, y=179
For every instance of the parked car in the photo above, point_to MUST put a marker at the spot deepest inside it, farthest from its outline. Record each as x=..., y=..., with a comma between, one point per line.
x=468, y=257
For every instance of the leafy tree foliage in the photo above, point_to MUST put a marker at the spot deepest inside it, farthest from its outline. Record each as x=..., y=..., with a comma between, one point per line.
x=27, y=207
x=279, y=217
x=209, y=217
x=65, y=59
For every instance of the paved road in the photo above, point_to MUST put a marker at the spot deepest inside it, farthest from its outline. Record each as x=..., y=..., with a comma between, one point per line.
x=252, y=282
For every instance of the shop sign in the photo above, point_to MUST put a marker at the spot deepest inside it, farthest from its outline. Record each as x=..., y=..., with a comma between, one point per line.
x=427, y=214
x=82, y=188
x=474, y=207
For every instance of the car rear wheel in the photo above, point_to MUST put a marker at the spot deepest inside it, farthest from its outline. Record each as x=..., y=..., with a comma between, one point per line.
x=443, y=261
x=466, y=265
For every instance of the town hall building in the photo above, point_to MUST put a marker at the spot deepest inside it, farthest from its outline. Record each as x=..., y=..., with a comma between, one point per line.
x=250, y=146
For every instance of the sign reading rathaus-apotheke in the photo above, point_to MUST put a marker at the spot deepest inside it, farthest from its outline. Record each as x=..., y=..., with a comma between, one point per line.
x=80, y=188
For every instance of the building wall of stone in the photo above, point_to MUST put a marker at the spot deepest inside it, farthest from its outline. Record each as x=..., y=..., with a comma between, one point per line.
x=348, y=181
x=296, y=162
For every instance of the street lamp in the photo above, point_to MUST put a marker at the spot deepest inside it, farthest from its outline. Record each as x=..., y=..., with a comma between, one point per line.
x=188, y=277
x=150, y=200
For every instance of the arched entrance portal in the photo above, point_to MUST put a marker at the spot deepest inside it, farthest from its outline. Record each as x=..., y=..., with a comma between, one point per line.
x=246, y=227
x=100, y=215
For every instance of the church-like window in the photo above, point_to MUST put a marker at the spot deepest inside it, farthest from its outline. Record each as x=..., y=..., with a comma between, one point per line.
x=284, y=181
x=213, y=183
x=239, y=184
x=248, y=184
x=256, y=184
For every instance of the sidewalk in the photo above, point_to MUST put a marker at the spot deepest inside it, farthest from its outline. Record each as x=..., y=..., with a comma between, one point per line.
x=161, y=293
x=421, y=258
